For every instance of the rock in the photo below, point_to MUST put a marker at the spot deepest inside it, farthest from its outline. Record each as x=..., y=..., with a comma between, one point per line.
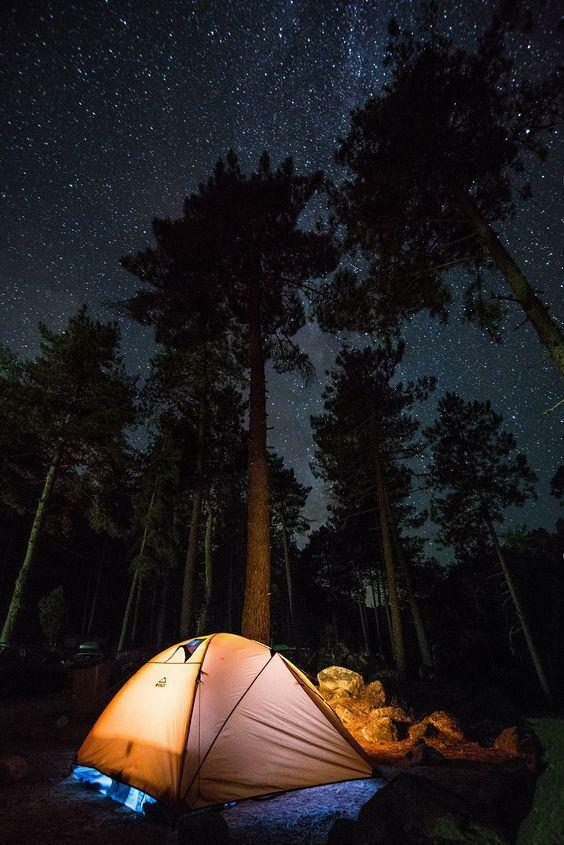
x=411, y=810
x=12, y=769
x=375, y=693
x=337, y=677
x=421, y=729
x=508, y=741
x=495, y=794
x=424, y=755
x=62, y=722
x=446, y=724
x=339, y=696
x=341, y=832
x=203, y=829
x=380, y=730
x=436, y=723
x=396, y=713
x=545, y=822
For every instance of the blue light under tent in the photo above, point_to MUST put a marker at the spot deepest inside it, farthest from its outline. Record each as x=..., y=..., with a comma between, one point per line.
x=120, y=792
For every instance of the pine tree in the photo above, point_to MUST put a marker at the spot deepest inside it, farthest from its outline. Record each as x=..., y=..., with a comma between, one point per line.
x=432, y=162
x=364, y=438
x=288, y=498
x=235, y=266
x=476, y=475
x=77, y=400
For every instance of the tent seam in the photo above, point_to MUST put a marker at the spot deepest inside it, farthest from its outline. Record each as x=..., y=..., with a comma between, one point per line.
x=189, y=720
x=235, y=706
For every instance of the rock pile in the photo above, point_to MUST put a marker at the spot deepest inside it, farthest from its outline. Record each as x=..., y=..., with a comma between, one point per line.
x=390, y=734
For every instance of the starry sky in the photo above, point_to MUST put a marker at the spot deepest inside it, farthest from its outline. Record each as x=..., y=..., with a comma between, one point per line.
x=114, y=110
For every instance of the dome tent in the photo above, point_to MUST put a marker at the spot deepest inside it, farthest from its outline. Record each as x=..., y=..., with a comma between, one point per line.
x=216, y=720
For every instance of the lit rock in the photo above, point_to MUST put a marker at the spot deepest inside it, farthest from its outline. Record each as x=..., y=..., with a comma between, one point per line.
x=375, y=693
x=338, y=678
x=508, y=742
x=380, y=730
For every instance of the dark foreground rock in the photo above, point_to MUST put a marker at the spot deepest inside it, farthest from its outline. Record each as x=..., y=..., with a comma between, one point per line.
x=412, y=810
x=203, y=829
x=430, y=804
x=544, y=825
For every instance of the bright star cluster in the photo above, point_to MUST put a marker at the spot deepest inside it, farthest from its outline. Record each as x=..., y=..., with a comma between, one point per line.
x=114, y=110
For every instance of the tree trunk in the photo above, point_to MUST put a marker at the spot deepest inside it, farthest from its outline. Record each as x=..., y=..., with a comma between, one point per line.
x=191, y=567
x=376, y=615
x=94, y=604
x=256, y=607
x=163, y=608
x=288, y=571
x=128, y=609
x=550, y=333
x=137, y=579
x=398, y=647
x=362, y=613
x=535, y=657
x=152, y=620
x=208, y=570
x=418, y=624
x=23, y=575
x=137, y=611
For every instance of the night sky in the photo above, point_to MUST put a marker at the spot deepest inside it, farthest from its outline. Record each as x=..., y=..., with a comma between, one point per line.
x=114, y=111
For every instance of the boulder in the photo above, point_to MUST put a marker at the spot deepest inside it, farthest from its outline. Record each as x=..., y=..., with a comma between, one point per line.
x=203, y=829
x=338, y=678
x=421, y=729
x=411, y=810
x=436, y=723
x=375, y=693
x=380, y=730
x=12, y=769
x=446, y=724
x=396, y=713
x=508, y=741
x=341, y=832
x=424, y=755
x=545, y=822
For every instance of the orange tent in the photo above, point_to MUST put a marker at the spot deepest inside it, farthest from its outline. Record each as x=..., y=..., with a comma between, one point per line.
x=218, y=719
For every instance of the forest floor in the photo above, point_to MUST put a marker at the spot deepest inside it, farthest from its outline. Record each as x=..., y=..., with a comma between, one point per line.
x=47, y=807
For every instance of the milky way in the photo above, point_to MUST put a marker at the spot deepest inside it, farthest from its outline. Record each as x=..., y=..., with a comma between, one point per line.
x=114, y=111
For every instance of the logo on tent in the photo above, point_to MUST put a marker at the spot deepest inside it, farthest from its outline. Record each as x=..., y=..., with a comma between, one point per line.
x=161, y=683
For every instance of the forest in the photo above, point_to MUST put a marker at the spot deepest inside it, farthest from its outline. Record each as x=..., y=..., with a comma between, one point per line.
x=159, y=541
x=141, y=511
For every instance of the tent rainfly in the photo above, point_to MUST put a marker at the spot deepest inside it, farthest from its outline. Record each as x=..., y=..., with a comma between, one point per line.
x=215, y=720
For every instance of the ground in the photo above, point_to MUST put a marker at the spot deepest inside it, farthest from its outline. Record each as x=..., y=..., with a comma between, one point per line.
x=48, y=807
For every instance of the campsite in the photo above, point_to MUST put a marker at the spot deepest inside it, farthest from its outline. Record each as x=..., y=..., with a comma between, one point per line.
x=281, y=464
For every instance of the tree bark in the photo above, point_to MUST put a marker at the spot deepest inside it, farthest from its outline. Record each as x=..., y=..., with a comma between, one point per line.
x=535, y=657
x=256, y=607
x=163, y=608
x=128, y=609
x=376, y=615
x=23, y=575
x=550, y=334
x=208, y=571
x=137, y=610
x=418, y=624
x=288, y=571
x=398, y=647
x=191, y=567
x=94, y=603
x=137, y=579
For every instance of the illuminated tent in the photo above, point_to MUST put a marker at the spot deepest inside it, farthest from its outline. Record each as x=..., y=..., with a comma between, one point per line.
x=215, y=720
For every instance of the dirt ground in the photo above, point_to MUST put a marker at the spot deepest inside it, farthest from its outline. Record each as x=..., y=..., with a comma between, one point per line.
x=47, y=807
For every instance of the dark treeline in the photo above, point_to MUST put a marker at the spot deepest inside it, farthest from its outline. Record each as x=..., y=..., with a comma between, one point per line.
x=200, y=529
